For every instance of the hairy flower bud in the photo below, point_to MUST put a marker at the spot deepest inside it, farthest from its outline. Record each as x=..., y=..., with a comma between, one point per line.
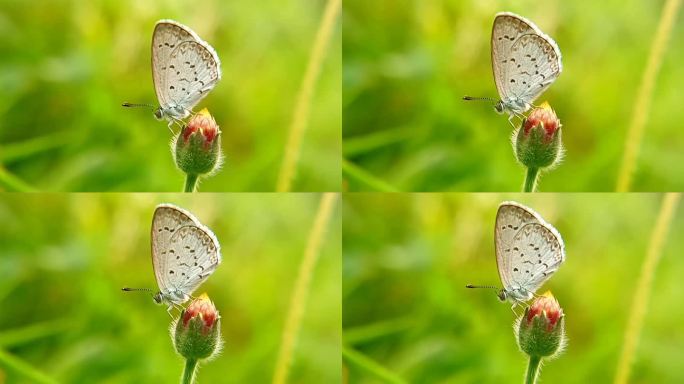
x=541, y=329
x=198, y=145
x=197, y=333
x=537, y=142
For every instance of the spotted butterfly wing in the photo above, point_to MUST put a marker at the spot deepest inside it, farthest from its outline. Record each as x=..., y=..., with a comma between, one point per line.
x=184, y=69
x=528, y=250
x=184, y=253
x=525, y=61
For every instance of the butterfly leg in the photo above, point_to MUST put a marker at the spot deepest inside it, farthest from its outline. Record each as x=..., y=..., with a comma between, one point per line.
x=178, y=122
x=513, y=307
x=510, y=121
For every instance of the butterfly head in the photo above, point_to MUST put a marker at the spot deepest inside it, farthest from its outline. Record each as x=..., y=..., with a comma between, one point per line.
x=158, y=298
x=171, y=112
x=502, y=295
x=159, y=113
x=512, y=106
x=499, y=107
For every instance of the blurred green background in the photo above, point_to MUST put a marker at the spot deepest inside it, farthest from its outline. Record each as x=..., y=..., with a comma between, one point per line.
x=408, y=63
x=66, y=66
x=65, y=259
x=407, y=259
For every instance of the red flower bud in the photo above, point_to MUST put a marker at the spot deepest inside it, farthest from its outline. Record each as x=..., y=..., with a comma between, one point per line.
x=547, y=307
x=537, y=142
x=198, y=145
x=543, y=118
x=204, y=125
x=203, y=309
x=541, y=329
x=196, y=333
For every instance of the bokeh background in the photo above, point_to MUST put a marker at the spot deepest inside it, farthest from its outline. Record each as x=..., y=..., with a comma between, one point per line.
x=65, y=259
x=66, y=67
x=407, y=259
x=408, y=63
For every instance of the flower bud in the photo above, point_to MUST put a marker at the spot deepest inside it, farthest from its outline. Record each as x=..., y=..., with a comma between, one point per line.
x=198, y=145
x=541, y=329
x=197, y=331
x=537, y=142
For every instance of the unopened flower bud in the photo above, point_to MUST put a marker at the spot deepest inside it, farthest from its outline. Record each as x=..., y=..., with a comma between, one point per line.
x=541, y=329
x=537, y=142
x=197, y=333
x=198, y=145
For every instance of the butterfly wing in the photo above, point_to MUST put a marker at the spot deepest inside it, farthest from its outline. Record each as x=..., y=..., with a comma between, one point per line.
x=539, y=253
x=525, y=61
x=195, y=254
x=511, y=217
x=166, y=221
x=184, y=67
x=537, y=65
x=194, y=69
x=167, y=35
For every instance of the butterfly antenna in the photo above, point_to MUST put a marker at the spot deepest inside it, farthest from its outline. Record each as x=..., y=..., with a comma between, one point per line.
x=127, y=289
x=134, y=105
x=496, y=289
x=470, y=98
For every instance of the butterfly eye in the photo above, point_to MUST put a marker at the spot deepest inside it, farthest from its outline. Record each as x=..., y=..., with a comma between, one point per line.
x=502, y=295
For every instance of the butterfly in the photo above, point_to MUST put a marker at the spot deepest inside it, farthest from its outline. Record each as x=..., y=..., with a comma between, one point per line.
x=525, y=62
x=185, y=69
x=528, y=251
x=184, y=254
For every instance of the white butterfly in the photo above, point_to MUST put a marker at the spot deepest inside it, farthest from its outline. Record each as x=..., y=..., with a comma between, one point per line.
x=185, y=69
x=525, y=62
x=528, y=251
x=184, y=254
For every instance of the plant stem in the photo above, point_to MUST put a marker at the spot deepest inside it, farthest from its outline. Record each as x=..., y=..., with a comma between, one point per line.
x=369, y=367
x=9, y=362
x=355, y=172
x=532, y=370
x=300, y=116
x=293, y=321
x=531, y=179
x=642, y=104
x=644, y=286
x=190, y=183
x=189, y=372
x=11, y=183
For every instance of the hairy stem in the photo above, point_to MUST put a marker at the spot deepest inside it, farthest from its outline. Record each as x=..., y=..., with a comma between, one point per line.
x=533, y=370
x=190, y=183
x=531, y=179
x=189, y=372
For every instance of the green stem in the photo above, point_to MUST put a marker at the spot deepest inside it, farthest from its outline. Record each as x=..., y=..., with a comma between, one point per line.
x=533, y=370
x=9, y=362
x=189, y=372
x=190, y=183
x=353, y=171
x=11, y=183
x=369, y=367
x=531, y=179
